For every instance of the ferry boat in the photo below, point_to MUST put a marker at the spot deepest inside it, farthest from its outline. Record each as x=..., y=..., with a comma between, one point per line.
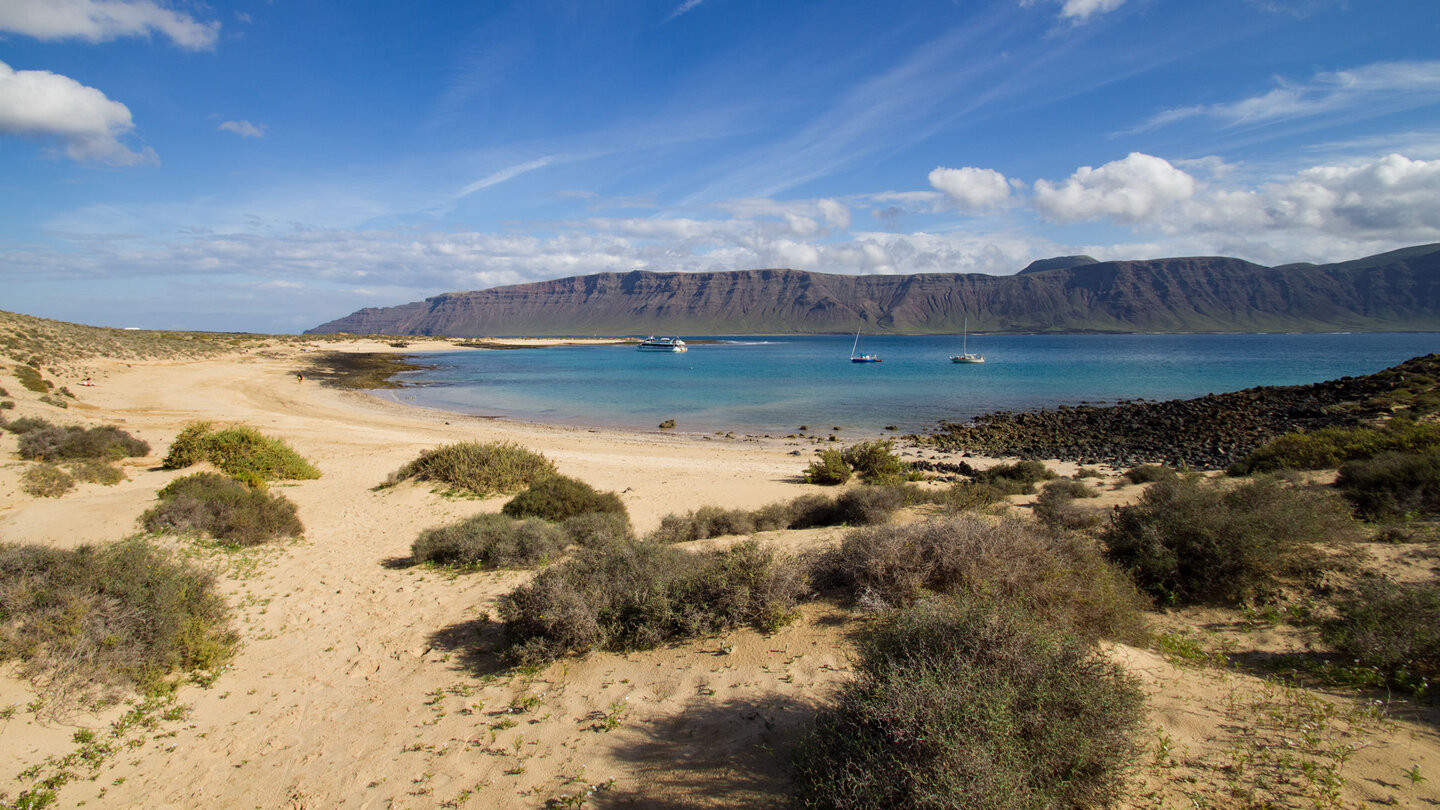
x=662, y=344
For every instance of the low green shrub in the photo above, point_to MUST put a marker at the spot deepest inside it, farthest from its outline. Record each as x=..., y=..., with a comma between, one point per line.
x=119, y=615
x=73, y=443
x=1393, y=484
x=859, y=506
x=46, y=481
x=964, y=496
x=596, y=528
x=559, y=497
x=1018, y=478
x=31, y=379
x=1056, y=507
x=972, y=705
x=829, y=469
x=1190, y=540
x=477, y=468
x=25, y=424
x=875, y=461
x=1390, y=626
x=1062, y=578
x=240, y=451
x=94, y=471
x=1150, y=473
x=7, y=404
x=638, y=594
x=1332, y=446
x=491, y=541
x=227, y=510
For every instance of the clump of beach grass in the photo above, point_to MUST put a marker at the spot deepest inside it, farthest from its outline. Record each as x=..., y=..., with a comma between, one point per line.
x=74, y=443
x=476, y=468
x=240, y=451
x=858, y=506
x=228, y=510
x=46, y=481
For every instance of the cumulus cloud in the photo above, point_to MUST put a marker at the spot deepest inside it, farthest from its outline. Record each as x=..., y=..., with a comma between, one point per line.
x=244, y=129
x=1132, y=190
x=103, y=20
x=836, y=213
x=1366, y=91
x=41, y=104
x=972, y=189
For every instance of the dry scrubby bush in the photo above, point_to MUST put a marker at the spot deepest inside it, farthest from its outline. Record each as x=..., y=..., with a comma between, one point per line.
x=1393, y=484
x=637, y=594
x=972, y=704
x=26, y=424
x=491, y=541
x=46, y=481
x=477, y=468
x=241, y=452
x=559, y=497
x=1060, y=578
x=225, y=509
x=829, y=469
x=120, y=615
x=1018, y=478
x=1057, y=509
x=1150, y=473
x=857, y=507
x=1191, y=540
x=74, y=443
x=1390, y=626
x=1332, y=446
x=94, y=471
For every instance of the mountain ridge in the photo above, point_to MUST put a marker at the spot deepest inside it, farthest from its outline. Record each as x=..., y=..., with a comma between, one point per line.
x=1394, y=291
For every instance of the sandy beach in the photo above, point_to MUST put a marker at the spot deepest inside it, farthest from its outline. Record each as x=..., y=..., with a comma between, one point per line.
x=365, y=683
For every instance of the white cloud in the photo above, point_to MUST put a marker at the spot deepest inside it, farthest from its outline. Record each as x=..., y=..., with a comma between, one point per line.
x=836, y=214
x=1365, y=92
x=244, y=129
x=688, y=5
x=1080, y=11
x=38, y=103
x=507, y=173
x=102, y=20
x=1128, y=191
x=972, y=189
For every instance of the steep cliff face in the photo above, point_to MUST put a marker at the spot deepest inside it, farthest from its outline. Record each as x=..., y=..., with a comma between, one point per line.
x=1392, y=291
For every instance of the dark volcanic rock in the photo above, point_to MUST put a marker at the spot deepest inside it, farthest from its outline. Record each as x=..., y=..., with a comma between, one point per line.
x=1209, y=432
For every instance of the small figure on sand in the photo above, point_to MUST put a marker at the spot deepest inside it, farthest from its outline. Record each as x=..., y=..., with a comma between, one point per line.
x=299, y=378
x=86, y=381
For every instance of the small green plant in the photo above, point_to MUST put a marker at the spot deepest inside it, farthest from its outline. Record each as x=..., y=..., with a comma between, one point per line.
x=491, y=541
x=477, y=468
x=46, y=481
x=241, y=452
x=558, y=498
x=875, y=461
x=828, y=470
x=1412, y=774
x=225, y=509
x=1150, y=473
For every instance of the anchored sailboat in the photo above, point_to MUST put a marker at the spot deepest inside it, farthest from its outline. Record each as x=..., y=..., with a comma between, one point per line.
x=965, y=356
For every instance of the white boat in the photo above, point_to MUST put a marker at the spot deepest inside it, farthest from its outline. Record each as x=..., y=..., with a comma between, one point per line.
x=965, y=356
x=861, y=357
x=664, y=344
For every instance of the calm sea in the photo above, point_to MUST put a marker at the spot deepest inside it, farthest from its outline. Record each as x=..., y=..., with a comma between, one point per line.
x=776, y=384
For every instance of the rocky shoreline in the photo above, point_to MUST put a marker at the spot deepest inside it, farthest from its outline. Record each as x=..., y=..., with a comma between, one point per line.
x=1209, y=432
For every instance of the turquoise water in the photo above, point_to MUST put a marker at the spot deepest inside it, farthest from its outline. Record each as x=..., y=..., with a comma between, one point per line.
x=775, y=384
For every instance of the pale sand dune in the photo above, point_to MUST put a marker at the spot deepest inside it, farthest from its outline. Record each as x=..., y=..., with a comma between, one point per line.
x=359, y=684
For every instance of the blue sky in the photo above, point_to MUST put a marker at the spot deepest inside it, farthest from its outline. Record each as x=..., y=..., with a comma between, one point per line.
x=268, y=165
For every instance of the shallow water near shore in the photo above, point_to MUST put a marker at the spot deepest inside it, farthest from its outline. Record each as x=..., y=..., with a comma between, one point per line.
x=773, y=385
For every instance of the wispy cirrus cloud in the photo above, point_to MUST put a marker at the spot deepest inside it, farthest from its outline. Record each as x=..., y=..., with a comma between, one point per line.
x=688, y=5
x=103, y=20
x=1080, y=11
x=1364, y=92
